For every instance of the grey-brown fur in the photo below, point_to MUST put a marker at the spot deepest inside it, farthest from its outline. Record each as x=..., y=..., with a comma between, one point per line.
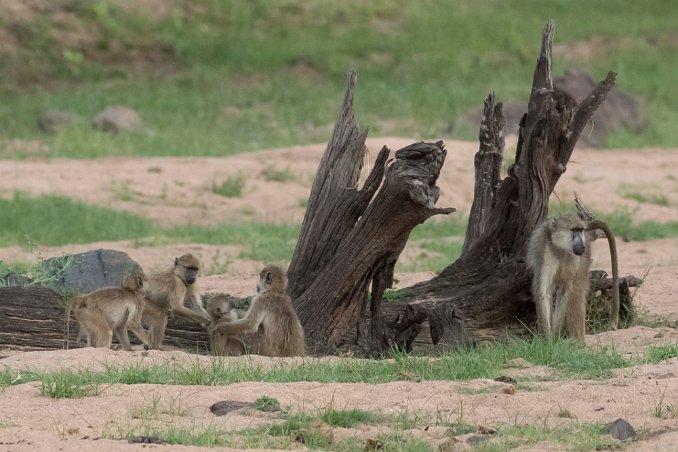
x=560, y=281
x=167, y=292
x=271, y=318
x=112, y=309
x=222, y=310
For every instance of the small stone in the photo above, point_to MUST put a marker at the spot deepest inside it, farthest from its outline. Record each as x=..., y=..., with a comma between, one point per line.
x=509, y=389
x=144, y=440
x=505, y=379
x=116, y=119
x=621, y=430
x=226, y=406
x=475, y=439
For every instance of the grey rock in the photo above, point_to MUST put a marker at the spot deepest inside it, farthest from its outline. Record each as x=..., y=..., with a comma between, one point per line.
x=621, y=430
x=117, y=118
x=619, y=110
x=476, y=439
x=85, y=272
x=52, y=121
x=226, y=406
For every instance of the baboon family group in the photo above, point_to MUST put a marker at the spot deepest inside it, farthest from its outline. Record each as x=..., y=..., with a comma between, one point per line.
x=270, y=326
x=558, y=257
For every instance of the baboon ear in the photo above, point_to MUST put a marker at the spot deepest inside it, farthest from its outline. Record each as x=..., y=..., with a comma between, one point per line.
x=140, y=280
x=269, y=278
x=553, y=224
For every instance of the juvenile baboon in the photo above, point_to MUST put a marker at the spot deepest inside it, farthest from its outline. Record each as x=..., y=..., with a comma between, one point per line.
x=282, y=333
x=559, y=257
x=110, y=309
x=167, y=292
x=222, y=310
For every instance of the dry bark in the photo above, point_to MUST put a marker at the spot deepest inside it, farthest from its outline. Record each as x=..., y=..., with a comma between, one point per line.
x=351, y=238
x=33, y=318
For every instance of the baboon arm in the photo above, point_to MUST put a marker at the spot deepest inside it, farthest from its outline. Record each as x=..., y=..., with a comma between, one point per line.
x=185, y=312
x=177, y=306
x=249, y=324
x=195, y=300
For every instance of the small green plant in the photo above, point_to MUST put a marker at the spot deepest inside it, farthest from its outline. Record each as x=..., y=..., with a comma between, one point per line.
x=565, y=413
x=303, y=203
x=65, y=385
x=272, y=174
x=655, y=354
x=266, y=403
x=392, y=296
x=640, y=194
x=345, y=418
x=232, y=187
x=663, y=409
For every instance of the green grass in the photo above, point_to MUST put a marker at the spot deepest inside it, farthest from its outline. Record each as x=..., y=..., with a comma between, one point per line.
x=232, y=187
x=622, y=225
x=62, y=385
x=575, y=435
x=55, y=220
x=655, y=354
x=266, y=403
x=313, y=430
x=483, y=361
x=272, y=174
x=230, y=76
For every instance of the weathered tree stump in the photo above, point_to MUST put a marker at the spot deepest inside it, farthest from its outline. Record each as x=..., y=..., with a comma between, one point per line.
x=351, y=238
x=488, y=286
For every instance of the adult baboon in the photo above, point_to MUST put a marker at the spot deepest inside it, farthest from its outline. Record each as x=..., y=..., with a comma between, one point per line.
x=282, y=333
x=167, y=292
x=559, y=257
x=222, y=310
x=110, y=309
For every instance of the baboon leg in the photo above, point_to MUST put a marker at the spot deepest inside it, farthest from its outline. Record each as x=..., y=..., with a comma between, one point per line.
x=157, y=332
x=123, y=338
x=139, y=332
x=543, y=296
x=560, y=311
x=576, y=315
x=82, y=335
x=104, y=338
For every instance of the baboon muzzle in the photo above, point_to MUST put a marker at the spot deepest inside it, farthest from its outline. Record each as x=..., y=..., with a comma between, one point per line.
x=578, y=246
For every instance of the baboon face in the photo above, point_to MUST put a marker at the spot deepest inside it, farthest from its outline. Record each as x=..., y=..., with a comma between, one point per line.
x=186, y=267
x=567, y=233
x=218, y=306
x=272, y=277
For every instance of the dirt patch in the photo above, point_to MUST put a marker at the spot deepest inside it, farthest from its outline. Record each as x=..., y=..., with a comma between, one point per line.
x=44, y=423
x=179, y=190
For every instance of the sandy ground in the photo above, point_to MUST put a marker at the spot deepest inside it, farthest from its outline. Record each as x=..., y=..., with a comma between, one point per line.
x=178, y=191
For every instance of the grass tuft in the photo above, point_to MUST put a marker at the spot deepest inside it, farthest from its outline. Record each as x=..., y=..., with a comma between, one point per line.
x=232, y=187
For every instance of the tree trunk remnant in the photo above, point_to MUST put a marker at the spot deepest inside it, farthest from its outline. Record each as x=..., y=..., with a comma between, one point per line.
x=33, y=318
x=351, y=238
x=488, y=286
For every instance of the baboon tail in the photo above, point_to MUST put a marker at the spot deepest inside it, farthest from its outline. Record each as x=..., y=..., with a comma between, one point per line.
x=614, y=314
